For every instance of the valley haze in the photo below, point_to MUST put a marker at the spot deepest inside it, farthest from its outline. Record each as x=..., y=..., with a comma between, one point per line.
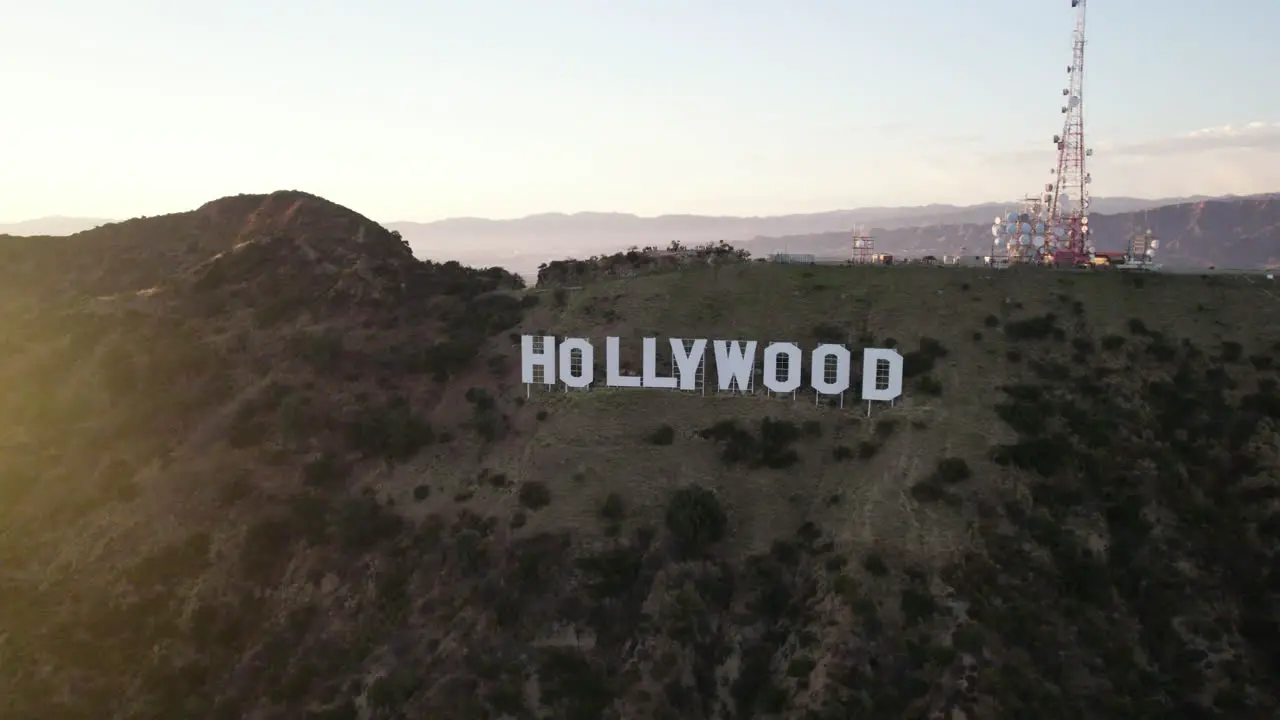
x=522, y=244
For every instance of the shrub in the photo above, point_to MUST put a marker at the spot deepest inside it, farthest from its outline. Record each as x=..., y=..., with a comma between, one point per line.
x=933, y=348
x=772, y=449
x=885, y=428
x=421, y=492
x=1111, y=343
x=664, y=434
x=695, y=519
x=926, y=491
x=393, y=433
x=875, y=564
x=929, y=385
x=1232, y=351
x=613, y=508
x=1036, y=328
x=534, y=495
x=916, y=363
x=952, y=470
x=328, y=470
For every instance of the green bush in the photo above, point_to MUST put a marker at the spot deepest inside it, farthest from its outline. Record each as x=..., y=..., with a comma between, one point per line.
x=874, y=563
x=952, y=470
x=393, y=433
x=1031, y=329
x=664, y=434
x=613, y=508
x=328, y=470
x=695, y=519
x=772, y=449
x=929, y=385
x=534, y=495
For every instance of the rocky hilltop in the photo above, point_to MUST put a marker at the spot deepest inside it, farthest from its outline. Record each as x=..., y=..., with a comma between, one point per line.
x=261, y=462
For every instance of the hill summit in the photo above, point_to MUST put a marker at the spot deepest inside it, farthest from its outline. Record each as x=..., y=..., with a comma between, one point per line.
x=261, y=462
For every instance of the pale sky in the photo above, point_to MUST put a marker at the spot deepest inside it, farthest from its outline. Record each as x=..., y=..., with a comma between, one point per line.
x=423, y=109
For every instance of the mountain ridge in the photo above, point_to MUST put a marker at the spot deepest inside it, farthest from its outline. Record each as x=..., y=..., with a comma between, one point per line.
x=56, y=225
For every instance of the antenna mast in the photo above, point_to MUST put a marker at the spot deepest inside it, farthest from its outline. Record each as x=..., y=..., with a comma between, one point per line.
x=1069, y=198
x=864, y=249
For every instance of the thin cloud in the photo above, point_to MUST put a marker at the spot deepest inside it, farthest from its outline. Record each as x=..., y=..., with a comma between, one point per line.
x=1252, y=136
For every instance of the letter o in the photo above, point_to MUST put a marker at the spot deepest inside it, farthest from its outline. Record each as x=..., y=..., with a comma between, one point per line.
x=588, y=371
x=794, y=358
x=818, y=371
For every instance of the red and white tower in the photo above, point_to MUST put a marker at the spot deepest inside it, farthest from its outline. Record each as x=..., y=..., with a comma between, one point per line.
x=1069, y=196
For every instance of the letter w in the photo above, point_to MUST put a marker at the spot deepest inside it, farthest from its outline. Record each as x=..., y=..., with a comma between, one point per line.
x=735, y=361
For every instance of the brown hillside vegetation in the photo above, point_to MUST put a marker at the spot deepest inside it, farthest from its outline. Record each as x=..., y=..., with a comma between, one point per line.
x=297, y=477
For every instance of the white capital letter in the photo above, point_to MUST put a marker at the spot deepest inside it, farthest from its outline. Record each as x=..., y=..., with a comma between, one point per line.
x=613, y=375
x=586, y=373
x=650, y=373
x=819, y=369
x=735, y=360
x=530, y=359
x=794, y=358
x=687, y=362
x=889, y=385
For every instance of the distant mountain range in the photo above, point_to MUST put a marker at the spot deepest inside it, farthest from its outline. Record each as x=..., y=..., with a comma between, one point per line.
x=523, y=243
x=1198, y=230
x=54, y=226
x=1226, y=233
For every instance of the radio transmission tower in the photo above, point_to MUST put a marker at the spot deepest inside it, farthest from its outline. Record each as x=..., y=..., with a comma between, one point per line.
x=1069, y=197
x=864, y=249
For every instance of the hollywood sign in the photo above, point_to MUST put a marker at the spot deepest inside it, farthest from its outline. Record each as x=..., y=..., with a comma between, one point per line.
x=571, y=361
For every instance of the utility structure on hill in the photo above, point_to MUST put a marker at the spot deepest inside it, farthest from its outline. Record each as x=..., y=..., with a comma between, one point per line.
x=1142, y=249
x=864, y=249
x=1068, y=195
x=1023, y=235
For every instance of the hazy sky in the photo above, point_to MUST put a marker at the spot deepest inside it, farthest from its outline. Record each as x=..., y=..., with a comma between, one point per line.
x=421, y=109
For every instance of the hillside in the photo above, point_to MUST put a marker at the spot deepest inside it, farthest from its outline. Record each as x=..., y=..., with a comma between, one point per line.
x=297, y=476
x=1232, y=233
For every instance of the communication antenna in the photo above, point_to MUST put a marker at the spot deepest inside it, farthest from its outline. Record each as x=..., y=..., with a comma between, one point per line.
x=864, y=249
x=1024, y=234
x=1142, y=248
x=1069, y=194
